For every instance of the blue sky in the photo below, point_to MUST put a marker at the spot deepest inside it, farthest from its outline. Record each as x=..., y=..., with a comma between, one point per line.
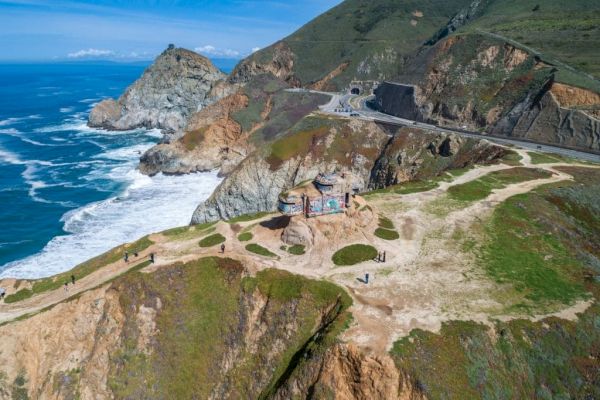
x=140, y=29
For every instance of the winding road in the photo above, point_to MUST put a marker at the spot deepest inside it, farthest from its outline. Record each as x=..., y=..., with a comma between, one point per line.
x=358, y=108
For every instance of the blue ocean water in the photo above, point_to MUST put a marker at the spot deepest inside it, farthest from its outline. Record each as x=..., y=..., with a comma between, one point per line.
x=69, y=192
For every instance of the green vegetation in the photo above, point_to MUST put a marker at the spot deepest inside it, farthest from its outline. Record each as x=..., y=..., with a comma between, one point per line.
x=386, y=229
x=193, y=139
x=248, y=217
x=190, y=232
x=516, y=360
x=481, y=188
x=354, y=254
x=245, y=237
x=512, y=158
x=379, y=33
x=203, y=312
x=297, y=249
x=548, y=28
x=386, y=234
x=258, y=249
x=18, y=296
x=543, y=158
x=212, y=240
x=385, y=223
x=80, y=271
x=530, y=257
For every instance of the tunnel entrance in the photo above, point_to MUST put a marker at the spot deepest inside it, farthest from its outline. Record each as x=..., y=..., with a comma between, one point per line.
x=355, y=91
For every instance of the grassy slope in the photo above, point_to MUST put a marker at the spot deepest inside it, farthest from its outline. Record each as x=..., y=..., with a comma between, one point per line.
x=545, y=244
x=202, y=316
x=379, y=33
x=564, y=31
x=80, y=271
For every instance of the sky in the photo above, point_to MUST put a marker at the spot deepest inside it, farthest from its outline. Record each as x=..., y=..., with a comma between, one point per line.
x=129, y=30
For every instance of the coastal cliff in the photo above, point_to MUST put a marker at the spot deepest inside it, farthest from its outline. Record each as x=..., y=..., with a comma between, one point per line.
x=378, y=155
x=178, y=83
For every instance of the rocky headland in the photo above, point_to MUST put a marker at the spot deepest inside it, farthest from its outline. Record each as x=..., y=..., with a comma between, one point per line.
x=178, y=84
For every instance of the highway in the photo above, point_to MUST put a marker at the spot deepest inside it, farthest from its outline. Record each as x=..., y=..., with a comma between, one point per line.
x=353, y=106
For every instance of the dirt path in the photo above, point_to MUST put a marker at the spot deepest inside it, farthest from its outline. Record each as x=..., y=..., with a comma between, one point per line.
x=424, y=282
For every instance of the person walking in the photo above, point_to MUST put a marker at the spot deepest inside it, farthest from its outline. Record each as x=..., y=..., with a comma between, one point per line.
x=66, y=287
x=384, y=256
x=2, y=293
x=223, y=248
x=126, y=258
x=73, y=279
x=152, y=258
x=366, y=278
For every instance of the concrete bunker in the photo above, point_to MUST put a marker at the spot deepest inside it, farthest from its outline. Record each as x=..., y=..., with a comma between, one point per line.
x=326, y=194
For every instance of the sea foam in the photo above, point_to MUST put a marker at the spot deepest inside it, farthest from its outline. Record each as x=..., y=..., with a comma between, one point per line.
x=147, y=205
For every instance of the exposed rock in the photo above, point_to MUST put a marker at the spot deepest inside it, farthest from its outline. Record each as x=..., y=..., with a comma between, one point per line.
x=541, y=118
x=346, y=373
x=213, y=140
x=281, y=65
x=179, y=83
x=297, y=232
x=254, y=186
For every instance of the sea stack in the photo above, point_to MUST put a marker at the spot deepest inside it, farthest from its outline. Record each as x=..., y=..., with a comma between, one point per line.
x=176, y=85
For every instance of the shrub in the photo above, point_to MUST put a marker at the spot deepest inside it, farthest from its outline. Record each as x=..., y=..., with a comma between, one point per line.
x=18, y=296
x=386, y=234
x=248, y=217
x=386, y=223
x=245, y=237
x=258, y=249
x=354, y=254
x=212, y=240
x=297, y=250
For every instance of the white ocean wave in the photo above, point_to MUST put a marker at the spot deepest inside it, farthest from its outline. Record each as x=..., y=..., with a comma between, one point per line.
x=148, y=205
x=66, y=110
x=17, y=120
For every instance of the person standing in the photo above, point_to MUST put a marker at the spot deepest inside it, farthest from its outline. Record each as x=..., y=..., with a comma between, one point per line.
x=126, y=258
x=73, y=279
x=152, y=258
x=366, y=278
x=223, y=248
x=66, y=287
x=2, y=293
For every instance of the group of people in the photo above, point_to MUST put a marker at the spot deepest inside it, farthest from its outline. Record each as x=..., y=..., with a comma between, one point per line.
x=67, y=283
x=135, y=255
x=381, y=256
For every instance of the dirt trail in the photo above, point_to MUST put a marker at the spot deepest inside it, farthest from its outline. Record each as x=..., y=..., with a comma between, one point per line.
x=424, y=282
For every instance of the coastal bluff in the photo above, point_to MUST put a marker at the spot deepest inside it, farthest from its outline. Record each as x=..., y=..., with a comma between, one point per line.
x=179, y=83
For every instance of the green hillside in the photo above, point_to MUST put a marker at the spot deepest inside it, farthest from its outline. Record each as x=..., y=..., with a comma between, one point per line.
x=379, y=40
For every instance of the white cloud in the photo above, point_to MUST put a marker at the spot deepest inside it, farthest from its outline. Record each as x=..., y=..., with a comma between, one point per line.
x=91, y=53
x=255, y=49
x=209, y=50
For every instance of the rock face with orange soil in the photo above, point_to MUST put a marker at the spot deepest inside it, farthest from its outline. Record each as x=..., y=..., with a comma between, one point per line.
x=212, y=138
x=376, y=154
x=179, y=83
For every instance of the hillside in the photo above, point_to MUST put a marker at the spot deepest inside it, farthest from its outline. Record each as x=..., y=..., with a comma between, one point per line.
x=489, y=289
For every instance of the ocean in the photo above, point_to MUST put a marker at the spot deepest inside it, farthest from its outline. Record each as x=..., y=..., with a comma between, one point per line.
x=69, y=192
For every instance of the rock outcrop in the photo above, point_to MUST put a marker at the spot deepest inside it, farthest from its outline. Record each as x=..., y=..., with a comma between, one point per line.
x=488, y=85
x=377, y=155
x=555, y=115
x=213, y=139
x=179, y=83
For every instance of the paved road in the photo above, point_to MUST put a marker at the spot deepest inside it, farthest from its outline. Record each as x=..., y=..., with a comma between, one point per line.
x=346, y=101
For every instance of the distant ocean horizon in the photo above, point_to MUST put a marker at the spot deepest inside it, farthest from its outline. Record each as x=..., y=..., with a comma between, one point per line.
x=69, y=192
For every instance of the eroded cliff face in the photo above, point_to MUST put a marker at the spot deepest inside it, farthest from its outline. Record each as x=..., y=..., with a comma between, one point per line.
x=206, y=329
x=377, y=155
x=485, y=84
x=212, y=138
x=179, y=83
x=279, y=62
x=557, y=114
